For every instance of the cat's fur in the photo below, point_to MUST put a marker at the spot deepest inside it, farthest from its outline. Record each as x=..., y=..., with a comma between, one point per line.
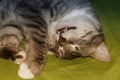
x=37, y=22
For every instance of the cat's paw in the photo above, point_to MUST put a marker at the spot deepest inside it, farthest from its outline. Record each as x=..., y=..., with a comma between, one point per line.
x=9, y=40
x=24, y=72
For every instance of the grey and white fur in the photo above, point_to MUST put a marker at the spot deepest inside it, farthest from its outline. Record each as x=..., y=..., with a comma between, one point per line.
x=37, y=22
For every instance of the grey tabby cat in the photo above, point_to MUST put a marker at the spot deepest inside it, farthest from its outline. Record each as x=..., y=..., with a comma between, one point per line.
x=69, y=28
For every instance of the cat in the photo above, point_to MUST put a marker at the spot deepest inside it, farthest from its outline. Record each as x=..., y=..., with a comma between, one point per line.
x=69, y=28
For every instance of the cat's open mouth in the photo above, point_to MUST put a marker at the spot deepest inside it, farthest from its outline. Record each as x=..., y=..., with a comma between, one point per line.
x=9, y=52
x=12, y=53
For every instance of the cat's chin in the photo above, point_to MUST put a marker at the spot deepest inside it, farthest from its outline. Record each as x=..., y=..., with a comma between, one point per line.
x=24, y=72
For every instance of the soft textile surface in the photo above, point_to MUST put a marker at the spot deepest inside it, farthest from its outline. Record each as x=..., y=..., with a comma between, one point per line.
x=82, y=68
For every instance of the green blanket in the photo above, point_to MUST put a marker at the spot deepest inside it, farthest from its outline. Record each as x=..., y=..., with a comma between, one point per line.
x=82, y=68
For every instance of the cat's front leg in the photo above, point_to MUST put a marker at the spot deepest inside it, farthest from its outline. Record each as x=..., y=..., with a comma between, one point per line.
x=36, y=50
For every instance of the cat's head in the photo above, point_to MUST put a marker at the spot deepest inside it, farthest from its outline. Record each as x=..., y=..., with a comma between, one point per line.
x=95, y=48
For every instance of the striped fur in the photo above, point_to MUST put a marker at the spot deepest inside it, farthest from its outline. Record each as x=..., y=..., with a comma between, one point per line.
x=37, y=21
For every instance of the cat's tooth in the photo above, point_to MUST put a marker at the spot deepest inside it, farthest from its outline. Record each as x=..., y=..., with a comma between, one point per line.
x=61, y=51
x=101, y=53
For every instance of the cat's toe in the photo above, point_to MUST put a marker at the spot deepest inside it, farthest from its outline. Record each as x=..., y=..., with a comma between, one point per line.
x=24, y=72
x=12, y=44
x=2, y=44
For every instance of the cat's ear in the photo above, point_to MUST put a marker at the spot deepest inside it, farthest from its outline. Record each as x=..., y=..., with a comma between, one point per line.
x=101, y=53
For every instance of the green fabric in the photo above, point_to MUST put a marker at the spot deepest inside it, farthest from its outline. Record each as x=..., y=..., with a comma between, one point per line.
x=82, y=68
